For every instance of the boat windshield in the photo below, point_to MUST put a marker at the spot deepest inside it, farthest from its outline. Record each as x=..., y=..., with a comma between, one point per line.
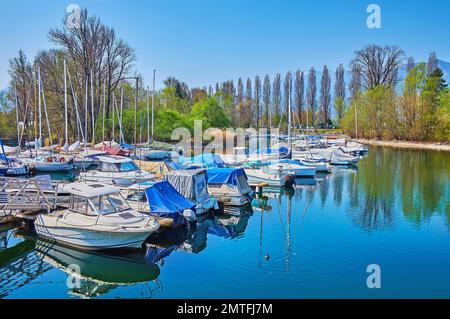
x=128, y=167
x=108, y=204
x=137, y=196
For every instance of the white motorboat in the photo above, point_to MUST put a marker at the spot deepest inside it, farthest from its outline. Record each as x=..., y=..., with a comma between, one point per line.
x=319, y=165
x=229, y=186
x=274, y=178
x=293, y=167
x=116, y=170
x=98, y=218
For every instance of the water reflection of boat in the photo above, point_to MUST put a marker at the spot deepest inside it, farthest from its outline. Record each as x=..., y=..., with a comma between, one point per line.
x=99, y=272
x=161, y=245
x=306, y=181
x=19, y=265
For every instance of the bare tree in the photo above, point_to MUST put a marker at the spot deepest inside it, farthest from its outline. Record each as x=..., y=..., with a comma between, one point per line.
x=432, y=63
x=266, y=98
x=355, y=82
x=287, y=91
x=299, y=94
x=410, y=64
x=240, y=91
x=257, y=100
x=311, y=94
x=276, y=94
x=339, y=92
x=325, y=96
x=21, y=73
x=94, y=47
x=379, y=65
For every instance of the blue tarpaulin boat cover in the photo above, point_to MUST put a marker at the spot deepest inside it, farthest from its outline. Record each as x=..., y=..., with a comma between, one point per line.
x=225, y=175
x=164, y=199
x=174, y=166
x=210, y=160
x=127, y=146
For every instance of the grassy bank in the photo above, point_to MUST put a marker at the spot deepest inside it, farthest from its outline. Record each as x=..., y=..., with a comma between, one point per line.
x=445, y=147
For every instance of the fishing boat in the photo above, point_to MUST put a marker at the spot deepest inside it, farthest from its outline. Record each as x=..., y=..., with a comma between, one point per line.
x=98, y=218
x=116, y=170
x=229, y=186
x=162, y=201
x=192, y=184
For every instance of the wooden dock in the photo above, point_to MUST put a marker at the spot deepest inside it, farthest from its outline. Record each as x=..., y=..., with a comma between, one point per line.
x=259, y=187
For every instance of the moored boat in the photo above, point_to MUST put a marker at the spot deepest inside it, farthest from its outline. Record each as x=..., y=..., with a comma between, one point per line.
x=98, y=218
x=116, y=170
x=229, y=186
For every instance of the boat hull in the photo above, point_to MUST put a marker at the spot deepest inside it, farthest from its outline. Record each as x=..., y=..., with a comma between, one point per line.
x=257, y=179
x=114, y=180
x=53, y=167
x=91, y=239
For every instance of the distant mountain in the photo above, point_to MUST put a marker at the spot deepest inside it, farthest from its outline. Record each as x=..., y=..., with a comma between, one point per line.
x=445, y=67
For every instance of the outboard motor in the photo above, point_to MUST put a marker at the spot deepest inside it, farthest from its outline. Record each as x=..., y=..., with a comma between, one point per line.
x=289, y=180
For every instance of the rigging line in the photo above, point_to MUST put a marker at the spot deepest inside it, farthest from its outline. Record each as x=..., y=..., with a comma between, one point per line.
x=75, y=100
x=46, y=115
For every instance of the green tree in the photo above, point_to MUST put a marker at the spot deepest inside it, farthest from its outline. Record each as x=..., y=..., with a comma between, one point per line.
x=210, y=112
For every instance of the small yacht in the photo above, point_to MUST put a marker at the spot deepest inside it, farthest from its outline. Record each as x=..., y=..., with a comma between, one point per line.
x=229, y=186
x=116, y=170
x=192, y=184
x=98, y=218
x=52, y=163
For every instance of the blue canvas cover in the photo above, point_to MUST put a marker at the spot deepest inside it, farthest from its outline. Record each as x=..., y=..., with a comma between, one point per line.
x=225, y=175
x=164, y=199
x=210, y=160
x=127, y=146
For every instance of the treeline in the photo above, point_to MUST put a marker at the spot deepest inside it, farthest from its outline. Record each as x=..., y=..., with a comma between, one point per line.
x=419, y=110
x=103, y=86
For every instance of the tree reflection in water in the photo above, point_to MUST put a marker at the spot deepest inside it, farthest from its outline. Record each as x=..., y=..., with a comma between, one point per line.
x=392, y=183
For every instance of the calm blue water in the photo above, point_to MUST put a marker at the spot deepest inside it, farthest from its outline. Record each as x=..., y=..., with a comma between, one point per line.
x=314, y=241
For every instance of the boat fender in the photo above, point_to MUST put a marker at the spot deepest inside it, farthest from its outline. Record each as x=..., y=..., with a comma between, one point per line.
x=62, y=160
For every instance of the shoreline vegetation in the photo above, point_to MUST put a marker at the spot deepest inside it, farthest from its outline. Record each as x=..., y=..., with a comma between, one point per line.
x=435, y=146
x=387, y=97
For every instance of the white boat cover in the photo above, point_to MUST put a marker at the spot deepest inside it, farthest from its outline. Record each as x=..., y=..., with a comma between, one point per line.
x=190, y=183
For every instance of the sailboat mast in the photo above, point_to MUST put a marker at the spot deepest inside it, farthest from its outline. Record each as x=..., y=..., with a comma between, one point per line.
x=104, y=107
x=66, y=120
x=289, y=117
x=113, y=117
x=92, y=107
x=148, y=115
x=119, y=116
x=135, y=110
x=17, y=120
x=153, y=105
x=86, y=111
x=39, y=106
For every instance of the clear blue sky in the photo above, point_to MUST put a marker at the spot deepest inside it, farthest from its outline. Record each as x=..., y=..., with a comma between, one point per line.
x=206, y=41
